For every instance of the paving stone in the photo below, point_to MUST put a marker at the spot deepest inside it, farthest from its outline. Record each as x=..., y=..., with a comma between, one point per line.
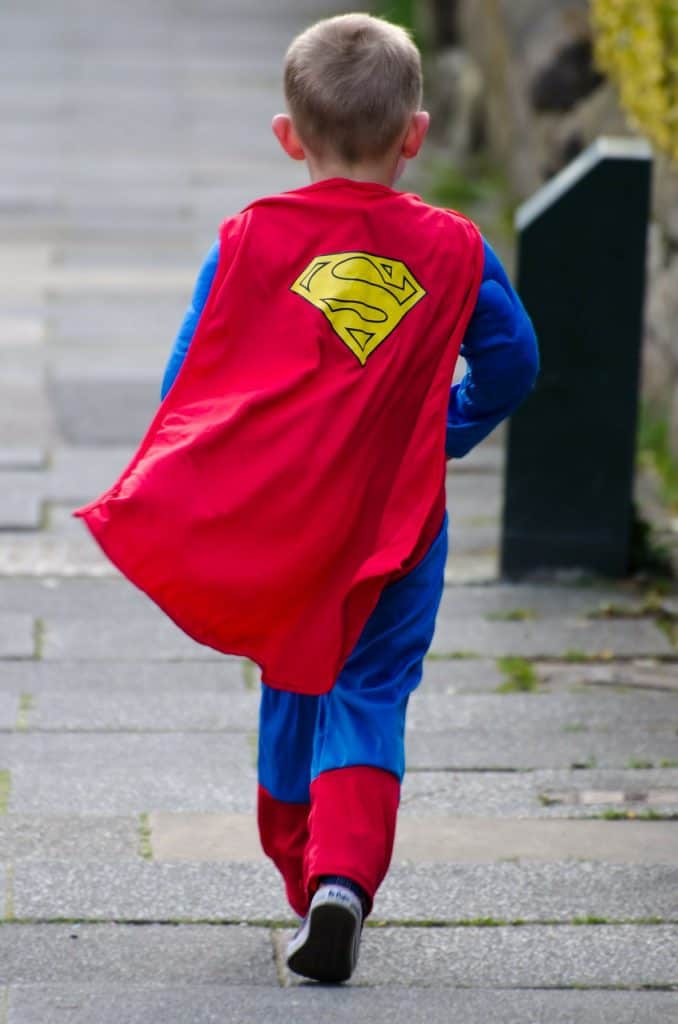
x=9, y=710
x=539, y=794
x=119, y=954
x=81, y=599
x=460, y=675
x=79, y=473
x=559, y=712
x=543, y=601
x=540, y=730
x=127, y=710
x=482, y=675
x=485, y=750
x=550, y=638
x=517, y=731
x=107, y=677
x=528, y=957
x=120, y=280
x=112, y=774
x=41, y=555
x=100, y=319
x=639, y=675
x=212, y=1004
x=205, y=837
x=475, y=539
x=531, y=957
x=436, y=840
x=24, y=410
x=21, y=331
x=530, y=892
x=80, y=358
x=468, y=568
x=153, y=637
x=125, y=891
x=31, y=837
x=104, y=412
x=16, y=636
x=18, y=512
x=21, y=457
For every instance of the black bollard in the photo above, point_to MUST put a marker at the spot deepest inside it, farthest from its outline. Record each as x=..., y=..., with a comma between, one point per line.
x=571, y=446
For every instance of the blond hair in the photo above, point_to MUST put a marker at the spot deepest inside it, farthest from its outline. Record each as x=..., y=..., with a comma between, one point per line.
x=351, y=84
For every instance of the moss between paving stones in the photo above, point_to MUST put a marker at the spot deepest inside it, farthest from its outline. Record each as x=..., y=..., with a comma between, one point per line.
x=145, y=847
x=513, y=615
x=249, y=671
x=5, y=788
x=454, y=656
x=26, y=705
x=520, y=676
x=253, y=745
x=9, y=893
x=284, y=924
x=646, y=815
x=39, y=630
x=652, y=607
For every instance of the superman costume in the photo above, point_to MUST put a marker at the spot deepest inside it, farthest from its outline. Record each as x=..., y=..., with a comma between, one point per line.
x=287, y=502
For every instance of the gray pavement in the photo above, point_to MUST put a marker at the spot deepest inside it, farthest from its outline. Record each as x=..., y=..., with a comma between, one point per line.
x=536, y=863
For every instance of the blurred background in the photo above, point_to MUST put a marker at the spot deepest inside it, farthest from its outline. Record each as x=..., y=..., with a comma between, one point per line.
x=517, y=91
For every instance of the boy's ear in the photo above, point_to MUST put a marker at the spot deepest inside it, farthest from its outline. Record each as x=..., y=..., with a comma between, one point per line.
x=285, y=133
x=416, y=133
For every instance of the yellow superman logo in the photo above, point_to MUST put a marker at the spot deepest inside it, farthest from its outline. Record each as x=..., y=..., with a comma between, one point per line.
x=364, y=297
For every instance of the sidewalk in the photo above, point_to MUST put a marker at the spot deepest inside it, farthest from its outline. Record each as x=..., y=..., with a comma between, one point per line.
x=536, y=868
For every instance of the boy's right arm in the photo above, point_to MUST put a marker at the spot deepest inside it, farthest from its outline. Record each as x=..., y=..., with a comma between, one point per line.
x=500, y=349
x=191, y=317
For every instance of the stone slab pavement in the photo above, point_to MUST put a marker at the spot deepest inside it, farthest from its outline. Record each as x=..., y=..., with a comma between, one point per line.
x=534, y=876
x=213, y=1004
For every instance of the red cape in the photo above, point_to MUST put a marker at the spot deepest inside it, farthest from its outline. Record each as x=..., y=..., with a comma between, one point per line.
x=297, y=464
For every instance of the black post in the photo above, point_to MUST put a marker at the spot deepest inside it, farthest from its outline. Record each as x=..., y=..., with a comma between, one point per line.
x=571, y=447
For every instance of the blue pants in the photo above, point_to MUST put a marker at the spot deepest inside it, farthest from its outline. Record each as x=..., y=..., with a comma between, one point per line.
x=361, y=720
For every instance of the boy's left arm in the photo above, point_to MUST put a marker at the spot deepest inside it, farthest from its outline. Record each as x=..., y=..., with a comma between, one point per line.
x=500, y=349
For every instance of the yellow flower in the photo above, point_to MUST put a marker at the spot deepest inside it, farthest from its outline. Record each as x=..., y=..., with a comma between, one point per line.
x=636, y=45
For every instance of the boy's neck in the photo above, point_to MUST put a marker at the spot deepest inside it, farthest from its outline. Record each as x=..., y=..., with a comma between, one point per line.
x=381, y=172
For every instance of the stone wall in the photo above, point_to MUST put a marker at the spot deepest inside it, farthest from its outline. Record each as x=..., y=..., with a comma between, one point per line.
x=533, y=98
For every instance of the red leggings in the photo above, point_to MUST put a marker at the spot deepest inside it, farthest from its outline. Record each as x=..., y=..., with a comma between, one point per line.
x=347, y=829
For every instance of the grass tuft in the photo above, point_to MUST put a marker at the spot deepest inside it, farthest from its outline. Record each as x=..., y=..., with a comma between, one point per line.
x=647, y=815
x=512, y=615
x=5, y=789
x=654, y=448
x=575, y=656
x=26, y=705
x=39, y=630
x=249, y=671
x=520, y=676
x=145, y=847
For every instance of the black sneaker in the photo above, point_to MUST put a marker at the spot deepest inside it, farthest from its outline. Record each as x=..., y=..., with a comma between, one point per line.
x=326, y=946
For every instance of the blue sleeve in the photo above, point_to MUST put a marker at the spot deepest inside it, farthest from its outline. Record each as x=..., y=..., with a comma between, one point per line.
x=500, y=348
x=190, y=321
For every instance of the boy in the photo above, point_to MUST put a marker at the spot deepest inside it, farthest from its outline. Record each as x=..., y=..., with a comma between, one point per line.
x=288, y=500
